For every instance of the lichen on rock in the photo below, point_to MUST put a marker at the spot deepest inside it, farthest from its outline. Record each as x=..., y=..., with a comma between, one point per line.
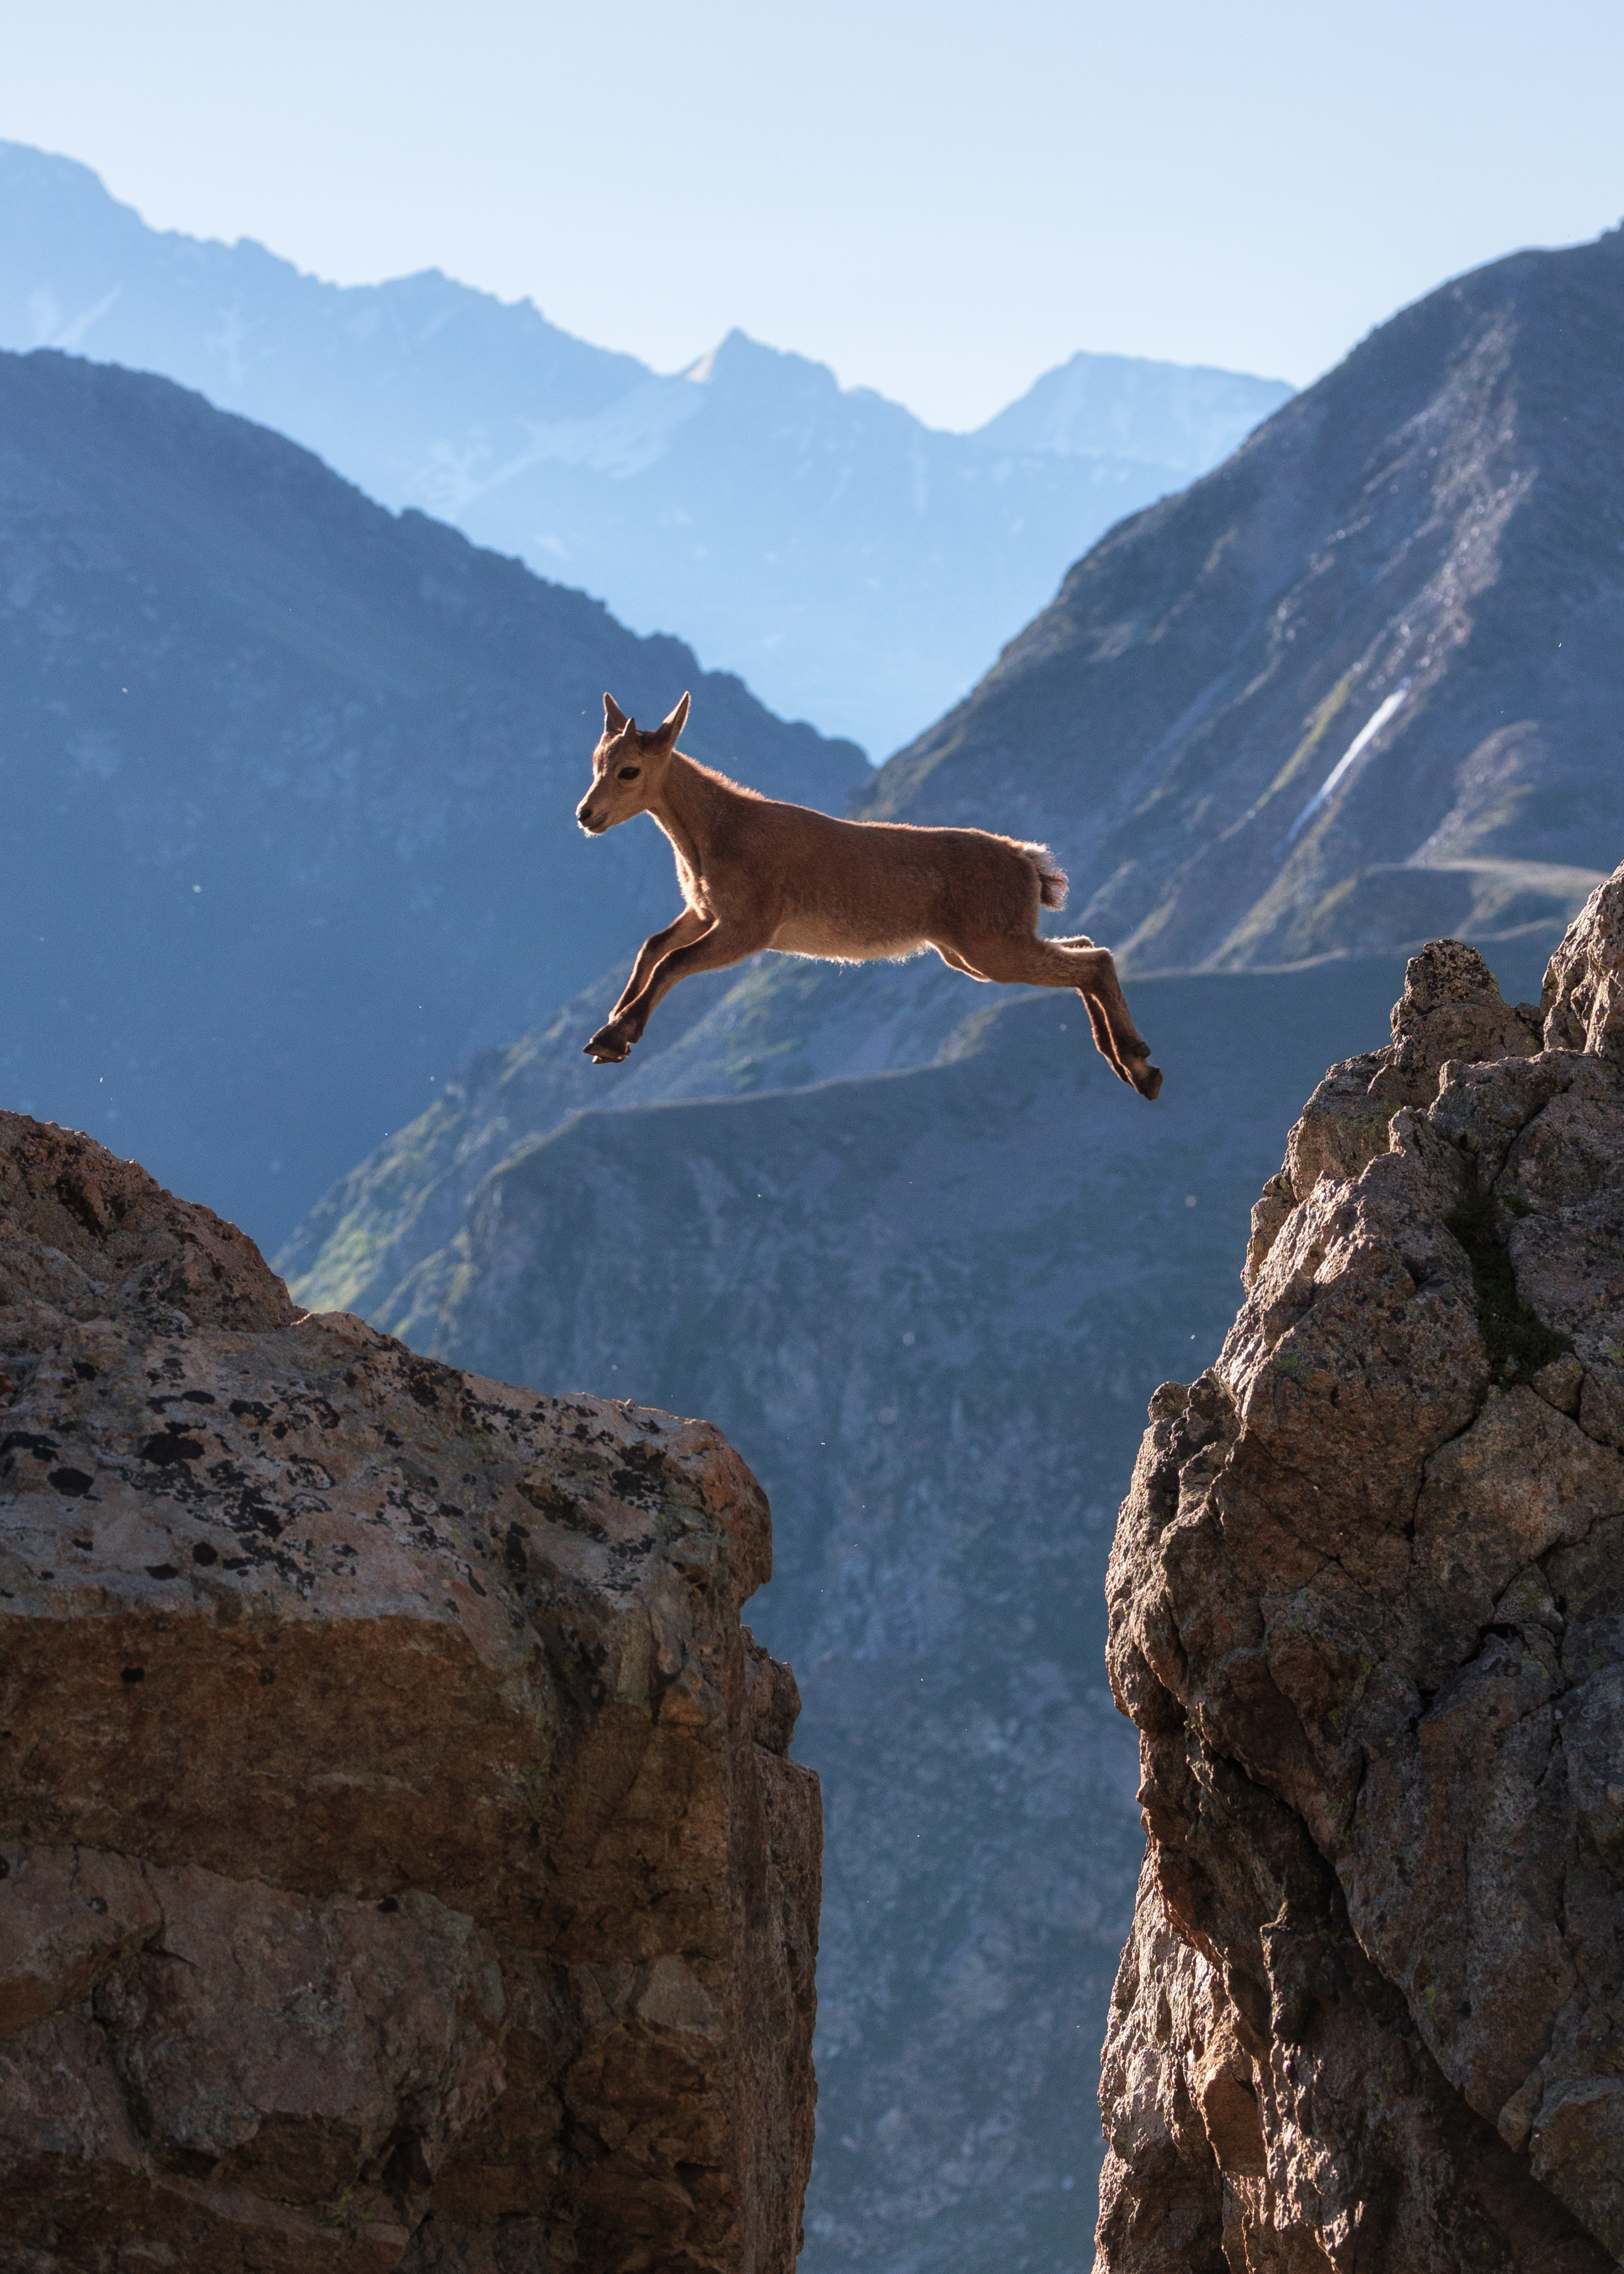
x=401, y=1864
x=1367, y=1612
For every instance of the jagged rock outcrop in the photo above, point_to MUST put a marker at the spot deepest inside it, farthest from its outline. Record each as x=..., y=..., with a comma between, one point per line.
x=400, y=1861
x=1367, y=1612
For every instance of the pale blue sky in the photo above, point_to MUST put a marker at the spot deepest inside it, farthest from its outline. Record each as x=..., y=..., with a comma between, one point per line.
x=940, y=200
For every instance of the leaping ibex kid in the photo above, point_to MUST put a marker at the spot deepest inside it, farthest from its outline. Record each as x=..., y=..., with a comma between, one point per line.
x=757, y=873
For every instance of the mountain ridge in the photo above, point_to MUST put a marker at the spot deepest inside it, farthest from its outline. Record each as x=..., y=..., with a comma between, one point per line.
x=855, y=565
x=1315, y=702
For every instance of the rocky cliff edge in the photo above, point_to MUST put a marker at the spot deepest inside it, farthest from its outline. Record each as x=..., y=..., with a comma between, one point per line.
x=1367, y=1612
x=399, y=1862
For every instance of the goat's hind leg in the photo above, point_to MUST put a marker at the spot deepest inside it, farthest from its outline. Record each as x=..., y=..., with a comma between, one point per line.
x=1116, y=1036
x=1097, y=1024
x=1075, y=963
x=1097, y=1027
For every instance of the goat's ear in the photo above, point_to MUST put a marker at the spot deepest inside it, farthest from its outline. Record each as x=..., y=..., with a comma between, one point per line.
x=673, y=724
x=614, y=718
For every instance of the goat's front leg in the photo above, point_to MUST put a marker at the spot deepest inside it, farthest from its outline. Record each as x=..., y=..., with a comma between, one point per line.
x=690, y=925
x=604, y=1046
x=723, y=944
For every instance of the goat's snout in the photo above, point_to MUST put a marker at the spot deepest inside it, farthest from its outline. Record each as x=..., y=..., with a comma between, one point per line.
x=588, y=819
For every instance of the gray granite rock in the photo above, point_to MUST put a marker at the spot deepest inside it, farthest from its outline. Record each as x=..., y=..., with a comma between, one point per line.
x=1366, y=1613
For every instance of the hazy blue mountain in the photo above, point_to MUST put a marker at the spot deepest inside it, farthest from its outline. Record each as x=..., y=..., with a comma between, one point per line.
x=80, y=272
x=1360, y=686
x=1171, y=415
x=290, y=788
x=928, y=1305
x=857, y=567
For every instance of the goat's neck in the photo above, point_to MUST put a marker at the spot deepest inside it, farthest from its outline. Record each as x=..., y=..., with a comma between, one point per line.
x=686, y=809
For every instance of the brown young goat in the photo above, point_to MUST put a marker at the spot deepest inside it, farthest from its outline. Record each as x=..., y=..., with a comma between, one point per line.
x=756, y=873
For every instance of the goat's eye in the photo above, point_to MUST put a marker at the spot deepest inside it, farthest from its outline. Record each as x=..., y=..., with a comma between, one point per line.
x=628, y=774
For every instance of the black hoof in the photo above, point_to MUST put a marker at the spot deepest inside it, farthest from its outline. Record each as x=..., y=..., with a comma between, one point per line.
x=605, y=1049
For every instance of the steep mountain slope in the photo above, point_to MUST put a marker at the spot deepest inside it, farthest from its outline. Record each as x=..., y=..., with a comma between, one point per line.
x=929, y=1307
x=290, y=788
x=856, y=566
x=1360, y=685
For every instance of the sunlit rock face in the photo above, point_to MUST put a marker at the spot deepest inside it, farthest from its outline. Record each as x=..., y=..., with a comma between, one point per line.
x=400, y=1861
x=1367, y=1614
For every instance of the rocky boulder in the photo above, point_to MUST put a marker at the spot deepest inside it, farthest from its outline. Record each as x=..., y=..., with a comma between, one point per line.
x=1367, y=1612
x=401, y=1864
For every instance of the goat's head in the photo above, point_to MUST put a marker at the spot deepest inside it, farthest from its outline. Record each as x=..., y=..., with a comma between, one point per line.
x=628, y=767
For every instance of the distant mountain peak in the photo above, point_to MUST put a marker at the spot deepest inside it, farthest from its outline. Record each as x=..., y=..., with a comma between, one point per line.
x=1182, y=416
x=855, y=566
